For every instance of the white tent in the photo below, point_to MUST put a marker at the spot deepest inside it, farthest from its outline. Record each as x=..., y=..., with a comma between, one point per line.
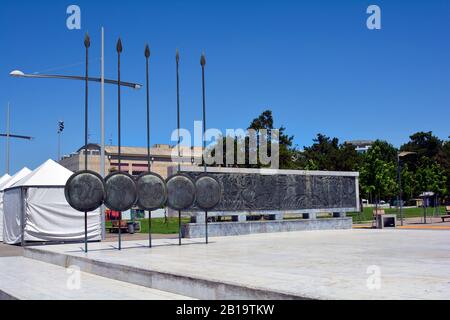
x=5, y=178
x=6, y=183
x=35, y=209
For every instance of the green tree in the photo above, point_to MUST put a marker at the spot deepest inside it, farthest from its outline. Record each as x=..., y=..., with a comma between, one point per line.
x=430, y=177
x=377, y=177
x=388, y=152
x=408, y=183
x=444, y=161
x=287, y=152
x=424, y=144
x=265, y=121
x=328, y=154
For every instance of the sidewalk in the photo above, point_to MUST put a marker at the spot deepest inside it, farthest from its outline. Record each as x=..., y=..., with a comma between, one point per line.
x=433, y=223
x=10, y=251
x=28, y=279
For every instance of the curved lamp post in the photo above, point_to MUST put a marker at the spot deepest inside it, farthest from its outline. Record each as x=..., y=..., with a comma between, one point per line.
x=20, y=74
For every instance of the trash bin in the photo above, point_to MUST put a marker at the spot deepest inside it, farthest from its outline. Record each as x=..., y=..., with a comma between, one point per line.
x=131, y=227
x=385, y=221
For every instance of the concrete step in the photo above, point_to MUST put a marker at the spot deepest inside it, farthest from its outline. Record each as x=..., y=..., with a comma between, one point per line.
x=183, y=270
x=27, y=279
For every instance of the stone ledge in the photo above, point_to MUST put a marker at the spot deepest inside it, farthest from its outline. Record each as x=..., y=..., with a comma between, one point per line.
x=221, y=229
x=181, y=284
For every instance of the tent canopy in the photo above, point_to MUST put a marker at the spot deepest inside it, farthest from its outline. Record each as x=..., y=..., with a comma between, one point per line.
x=5, y=178
x=49, y=174
x=18, y=176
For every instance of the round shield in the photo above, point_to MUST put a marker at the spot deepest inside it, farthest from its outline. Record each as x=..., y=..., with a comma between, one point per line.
x=151, y=191
x=120, y=191
x=209, y=192
x=180, y=192
x=85, y=191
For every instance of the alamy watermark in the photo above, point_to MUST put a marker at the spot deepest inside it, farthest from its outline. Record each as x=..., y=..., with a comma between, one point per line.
x=374, y=20
x=74, y=279
x=73, y=22
x=234, y=147
x=373, y=282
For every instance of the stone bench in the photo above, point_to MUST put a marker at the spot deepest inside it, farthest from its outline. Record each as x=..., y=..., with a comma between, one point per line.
x=199, y=217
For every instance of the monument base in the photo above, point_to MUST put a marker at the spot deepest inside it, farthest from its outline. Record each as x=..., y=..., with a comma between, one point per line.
x=221, y=229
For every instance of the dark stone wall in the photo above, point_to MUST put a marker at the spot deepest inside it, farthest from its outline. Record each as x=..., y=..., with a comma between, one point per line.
x=256, y=192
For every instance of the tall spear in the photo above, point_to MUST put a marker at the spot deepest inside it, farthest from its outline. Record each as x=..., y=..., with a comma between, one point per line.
x=147, y=56
x=119, y=51
x=87, y=44
x=177, y=59
x=203, y=63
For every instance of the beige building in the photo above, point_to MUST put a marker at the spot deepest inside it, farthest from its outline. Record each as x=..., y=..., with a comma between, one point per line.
x=133, y=159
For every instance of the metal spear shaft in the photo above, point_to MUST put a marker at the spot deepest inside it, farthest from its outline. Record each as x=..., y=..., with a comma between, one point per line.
x=177, y=59
x=119, y=51
x=147, y=56
x=87, y=44
x=203, y=63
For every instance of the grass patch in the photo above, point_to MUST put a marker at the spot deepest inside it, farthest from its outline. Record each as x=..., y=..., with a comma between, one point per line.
x=159, y=226
x=407, y=213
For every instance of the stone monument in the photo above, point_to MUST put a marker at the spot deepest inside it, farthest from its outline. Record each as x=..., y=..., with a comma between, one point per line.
x=275, y=194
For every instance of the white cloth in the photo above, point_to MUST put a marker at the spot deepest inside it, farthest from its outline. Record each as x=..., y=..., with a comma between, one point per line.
x=47, y=217
x=12, y=206
x=1, y=216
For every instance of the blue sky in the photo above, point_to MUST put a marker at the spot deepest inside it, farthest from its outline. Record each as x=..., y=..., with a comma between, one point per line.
x=314, y=63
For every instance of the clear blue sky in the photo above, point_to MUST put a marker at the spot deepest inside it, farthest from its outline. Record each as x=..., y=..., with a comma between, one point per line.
x=314, y=63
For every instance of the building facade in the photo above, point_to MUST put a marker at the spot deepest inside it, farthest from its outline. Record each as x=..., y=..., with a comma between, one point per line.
x=134, y=160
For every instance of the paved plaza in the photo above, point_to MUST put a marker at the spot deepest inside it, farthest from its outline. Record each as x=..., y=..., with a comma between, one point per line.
x=27, y=279
x=346, y=264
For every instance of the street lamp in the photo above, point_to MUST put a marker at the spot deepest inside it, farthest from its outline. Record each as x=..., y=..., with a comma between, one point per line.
x=20, y=74
x=400, y=195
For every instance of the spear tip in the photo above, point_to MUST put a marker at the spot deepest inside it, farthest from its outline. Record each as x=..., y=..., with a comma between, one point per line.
x=147, y=51
x=119, y=46
x=87, y=40
x=203, y=59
